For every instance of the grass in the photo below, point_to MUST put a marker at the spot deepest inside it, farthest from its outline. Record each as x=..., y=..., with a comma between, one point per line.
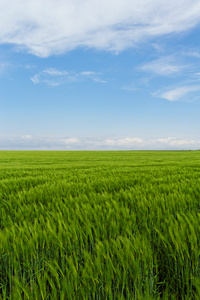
x=100, y=225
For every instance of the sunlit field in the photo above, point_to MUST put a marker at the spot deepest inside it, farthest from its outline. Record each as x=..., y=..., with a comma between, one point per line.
x=100, y=225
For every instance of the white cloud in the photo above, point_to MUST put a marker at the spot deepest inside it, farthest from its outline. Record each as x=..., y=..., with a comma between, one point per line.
x=163, y=66
x=54, y=26
x=87, y=73
x=72, y=140
x=4, y=67
x=31, y=142
x=179, y=93
x=55, y=72
x=192, y=53
x=130, y=88
x=128, y=141
x=56, y=77
x=175, y=142
x=26, y=137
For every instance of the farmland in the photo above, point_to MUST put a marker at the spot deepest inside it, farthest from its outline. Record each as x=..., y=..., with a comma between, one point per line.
x=100, y=225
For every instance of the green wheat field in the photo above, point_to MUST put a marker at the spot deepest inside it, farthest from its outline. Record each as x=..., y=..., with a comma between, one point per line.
x=99, y=225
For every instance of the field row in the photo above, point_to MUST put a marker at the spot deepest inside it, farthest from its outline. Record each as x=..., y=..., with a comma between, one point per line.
x=100, y=225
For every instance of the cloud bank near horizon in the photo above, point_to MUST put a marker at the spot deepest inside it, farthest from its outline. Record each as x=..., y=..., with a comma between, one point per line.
x=50, y=27
x=31, y=142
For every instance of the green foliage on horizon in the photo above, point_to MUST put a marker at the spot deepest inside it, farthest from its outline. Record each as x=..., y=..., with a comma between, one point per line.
x=100, y=225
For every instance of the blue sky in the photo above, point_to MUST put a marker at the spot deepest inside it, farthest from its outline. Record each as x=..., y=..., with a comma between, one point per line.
x=99, y=75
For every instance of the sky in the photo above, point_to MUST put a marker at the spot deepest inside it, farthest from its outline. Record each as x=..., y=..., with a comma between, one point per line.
x=99, y=75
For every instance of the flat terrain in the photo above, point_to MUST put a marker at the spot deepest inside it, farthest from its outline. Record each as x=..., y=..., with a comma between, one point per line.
x=100, y=225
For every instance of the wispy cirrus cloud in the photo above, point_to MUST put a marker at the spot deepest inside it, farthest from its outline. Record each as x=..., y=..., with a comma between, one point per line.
x=163, y=66
x=56, y=77
x=192, y=53
x=129, y=88
x=51, y=27
x=5, y=67
x=178, y=94
x=33, y=142
x=181, y=70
